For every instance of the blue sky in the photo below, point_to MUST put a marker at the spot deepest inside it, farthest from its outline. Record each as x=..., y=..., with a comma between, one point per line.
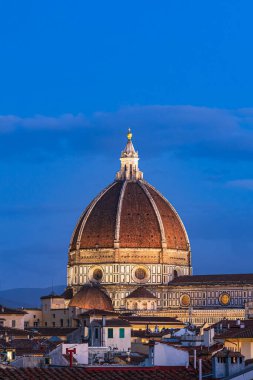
x=76, y=74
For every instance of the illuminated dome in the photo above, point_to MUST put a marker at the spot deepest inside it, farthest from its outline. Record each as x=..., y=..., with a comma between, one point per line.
x=129, y=213
x=91, y=297
x=128, y=236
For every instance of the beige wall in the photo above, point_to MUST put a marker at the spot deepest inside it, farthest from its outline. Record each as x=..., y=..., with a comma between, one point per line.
x=247, y=349
x=33, y=318
x=13, y=320
x=245, y=346
x=55, y=313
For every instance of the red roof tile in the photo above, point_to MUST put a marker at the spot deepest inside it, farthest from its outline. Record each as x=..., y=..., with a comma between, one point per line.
x=109, y=373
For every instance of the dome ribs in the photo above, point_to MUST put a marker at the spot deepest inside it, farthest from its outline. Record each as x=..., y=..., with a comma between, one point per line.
x=175, y=232
x=163, y=238
x=139, y=226
x=75, y=238
x=130, y=214
x=119, y=209
x=99, y=229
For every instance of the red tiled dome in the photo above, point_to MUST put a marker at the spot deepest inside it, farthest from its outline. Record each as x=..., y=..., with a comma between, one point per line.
x=91, y=297
x=132, y=214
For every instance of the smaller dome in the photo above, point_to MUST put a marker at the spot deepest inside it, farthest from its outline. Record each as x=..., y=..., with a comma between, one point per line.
x=91, y=297
x=141, y=292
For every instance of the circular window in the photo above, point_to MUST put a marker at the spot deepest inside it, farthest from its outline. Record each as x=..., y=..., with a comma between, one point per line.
x=224, y=299
x=140, y=273
x=185, y=300
x=97, y=274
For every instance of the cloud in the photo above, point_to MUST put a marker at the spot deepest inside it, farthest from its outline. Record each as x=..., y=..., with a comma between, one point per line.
x=10, y=123
x=246, y=184
x=186, y=131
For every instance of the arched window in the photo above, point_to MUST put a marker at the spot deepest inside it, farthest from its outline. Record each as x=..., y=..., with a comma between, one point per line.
x=175, y=273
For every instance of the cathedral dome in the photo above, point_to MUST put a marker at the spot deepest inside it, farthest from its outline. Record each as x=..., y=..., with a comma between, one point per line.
x=130, y=214
x=91, y=297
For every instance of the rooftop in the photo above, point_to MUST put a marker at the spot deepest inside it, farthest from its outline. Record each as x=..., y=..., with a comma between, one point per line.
x=109, y=373
x=53, y=331
x=141, y=292
x=114, y=322
x=151, y=319
x=10, y=331
x=213, y=279
x=92, y=312
x=8, y=310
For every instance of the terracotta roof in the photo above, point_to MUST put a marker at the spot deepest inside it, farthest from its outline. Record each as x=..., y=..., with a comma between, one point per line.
x=151, y=319
x=97, y=312
x=29, y=346
x=144, y=214
x=8, y=310
x=53, y=331
x=99, y=228
x=10, y=331
x=227, y=324
x=117, y=322
x=91, y=297
x=141, y=292
x=116, y=373
x=228, y=329
x=175, y=233
x=139, y=226
x=213, y=278
x=237, y=333
x=114, y=322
